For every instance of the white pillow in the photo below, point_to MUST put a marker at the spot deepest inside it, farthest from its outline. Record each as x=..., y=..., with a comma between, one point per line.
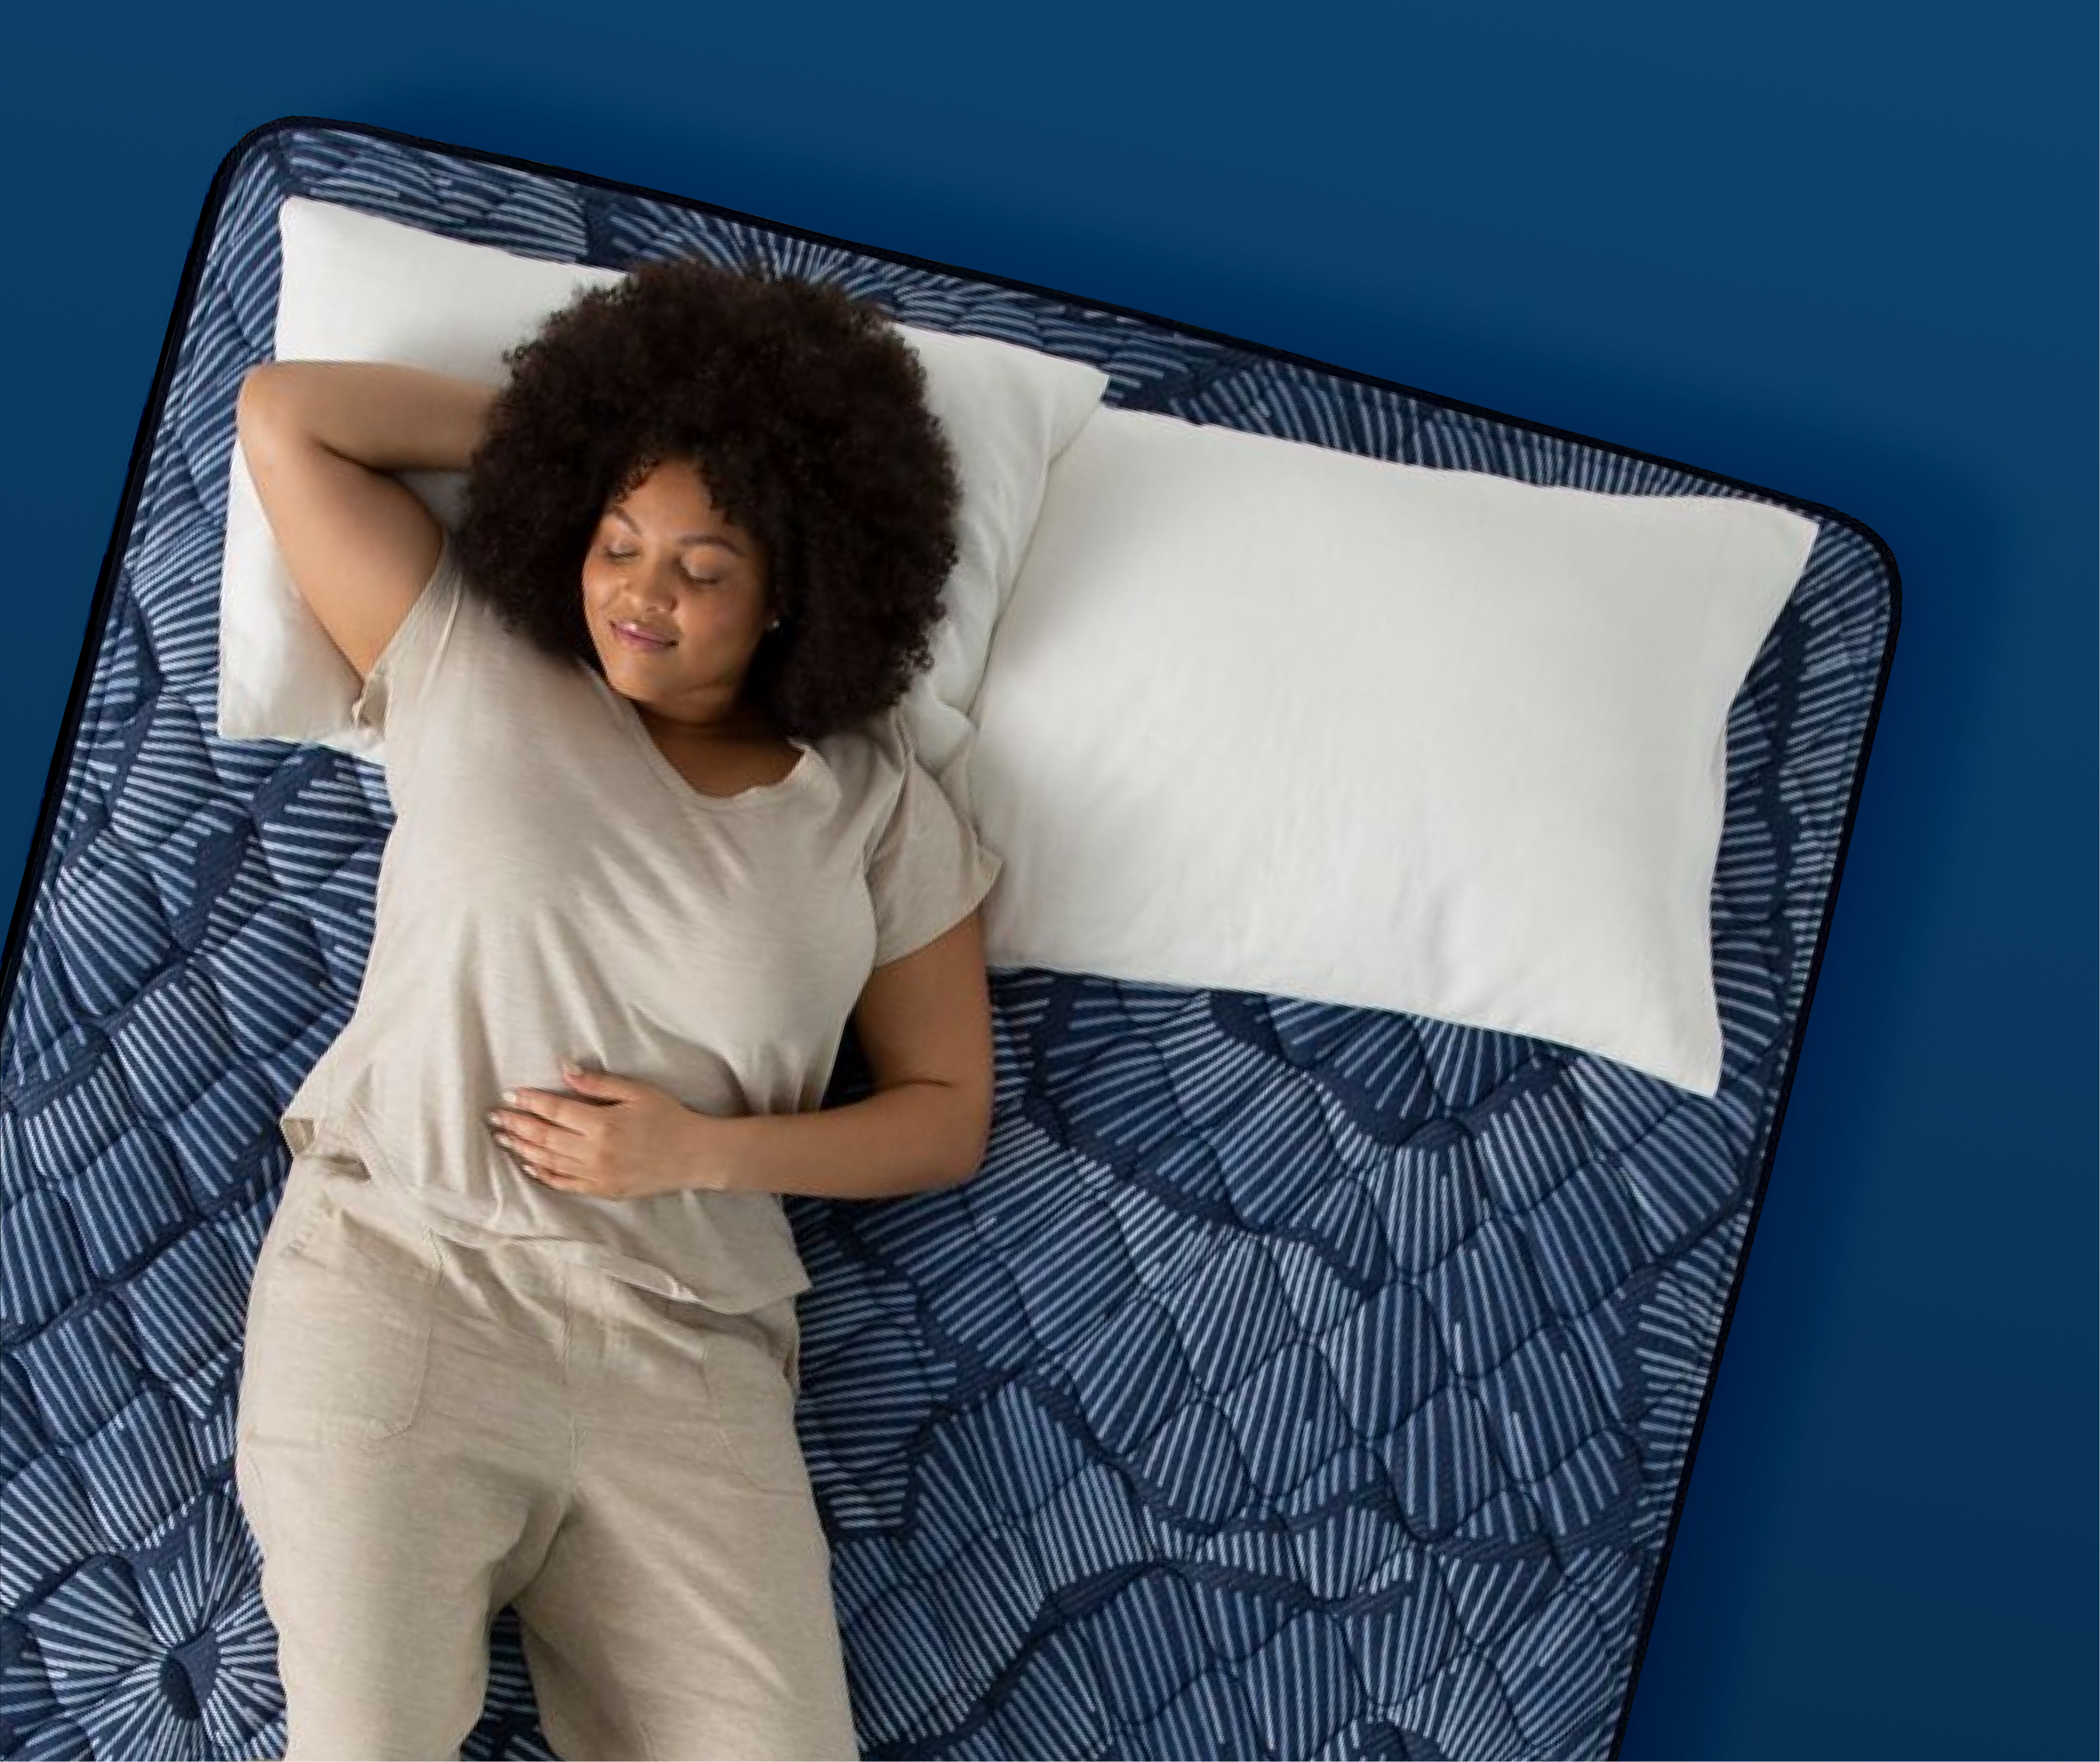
x=1263, y=716
x=355, y=288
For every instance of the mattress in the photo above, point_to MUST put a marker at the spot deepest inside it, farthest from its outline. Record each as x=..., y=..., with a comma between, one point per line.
x=1293, y=1380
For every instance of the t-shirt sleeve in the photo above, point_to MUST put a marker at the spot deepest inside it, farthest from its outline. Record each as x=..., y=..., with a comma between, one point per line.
x=927, y=871
x=426, y=658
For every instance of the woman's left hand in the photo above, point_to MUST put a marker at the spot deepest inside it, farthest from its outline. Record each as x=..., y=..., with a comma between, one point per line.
x=614, y=1138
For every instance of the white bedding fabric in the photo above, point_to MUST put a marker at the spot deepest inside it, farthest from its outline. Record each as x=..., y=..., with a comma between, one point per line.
x=1266, y=717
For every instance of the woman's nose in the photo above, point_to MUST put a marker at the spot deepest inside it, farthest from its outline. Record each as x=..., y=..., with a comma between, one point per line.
x=654, y=588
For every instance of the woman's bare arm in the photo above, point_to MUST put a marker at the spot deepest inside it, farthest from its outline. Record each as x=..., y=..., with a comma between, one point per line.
x=925, y=1023
x=322, y=440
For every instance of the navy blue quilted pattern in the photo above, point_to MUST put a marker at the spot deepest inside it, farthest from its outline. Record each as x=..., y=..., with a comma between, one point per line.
x=1293, y=1381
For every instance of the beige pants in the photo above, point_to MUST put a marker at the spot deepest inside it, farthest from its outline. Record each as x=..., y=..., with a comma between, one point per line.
x=428, y=1432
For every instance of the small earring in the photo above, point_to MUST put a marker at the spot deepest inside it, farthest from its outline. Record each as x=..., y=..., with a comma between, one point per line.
x=774, y=625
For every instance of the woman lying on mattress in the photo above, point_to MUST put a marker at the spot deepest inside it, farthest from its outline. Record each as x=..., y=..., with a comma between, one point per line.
x=524, y=1327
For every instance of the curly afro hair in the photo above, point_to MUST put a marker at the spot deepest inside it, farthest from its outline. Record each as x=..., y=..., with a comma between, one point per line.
x=804, y=411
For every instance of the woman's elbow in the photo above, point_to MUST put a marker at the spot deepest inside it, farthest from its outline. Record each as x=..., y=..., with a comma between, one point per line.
x=262, y=407
x=970, y=1137
x=258, y=386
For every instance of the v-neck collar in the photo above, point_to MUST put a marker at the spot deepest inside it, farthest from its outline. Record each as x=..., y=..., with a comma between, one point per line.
x=758, y=795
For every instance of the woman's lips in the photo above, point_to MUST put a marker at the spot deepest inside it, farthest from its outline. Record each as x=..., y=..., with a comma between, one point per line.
x=632, y=638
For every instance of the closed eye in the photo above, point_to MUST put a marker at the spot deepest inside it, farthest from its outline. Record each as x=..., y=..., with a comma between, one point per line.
x=614, y=555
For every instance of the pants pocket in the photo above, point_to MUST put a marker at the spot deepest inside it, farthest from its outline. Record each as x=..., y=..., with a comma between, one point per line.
x=340, y=1325
x=794, y=1366
x=753, y=1397
x=738, y=1375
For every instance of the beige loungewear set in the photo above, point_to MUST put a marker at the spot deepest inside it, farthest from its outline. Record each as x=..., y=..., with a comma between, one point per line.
x=464, y=1388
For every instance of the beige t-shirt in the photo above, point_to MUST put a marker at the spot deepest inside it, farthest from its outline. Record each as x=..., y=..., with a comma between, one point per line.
x=553, y=889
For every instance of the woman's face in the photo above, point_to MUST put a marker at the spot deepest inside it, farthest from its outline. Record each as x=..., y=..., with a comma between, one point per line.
x=676, y=599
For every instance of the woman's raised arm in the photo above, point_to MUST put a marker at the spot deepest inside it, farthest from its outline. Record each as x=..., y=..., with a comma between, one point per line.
x=322, y=440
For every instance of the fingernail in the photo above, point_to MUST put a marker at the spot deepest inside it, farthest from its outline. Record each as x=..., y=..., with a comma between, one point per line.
x=510, y=1096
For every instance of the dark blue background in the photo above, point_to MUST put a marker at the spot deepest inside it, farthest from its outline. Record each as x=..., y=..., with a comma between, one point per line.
x=1844, y=251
